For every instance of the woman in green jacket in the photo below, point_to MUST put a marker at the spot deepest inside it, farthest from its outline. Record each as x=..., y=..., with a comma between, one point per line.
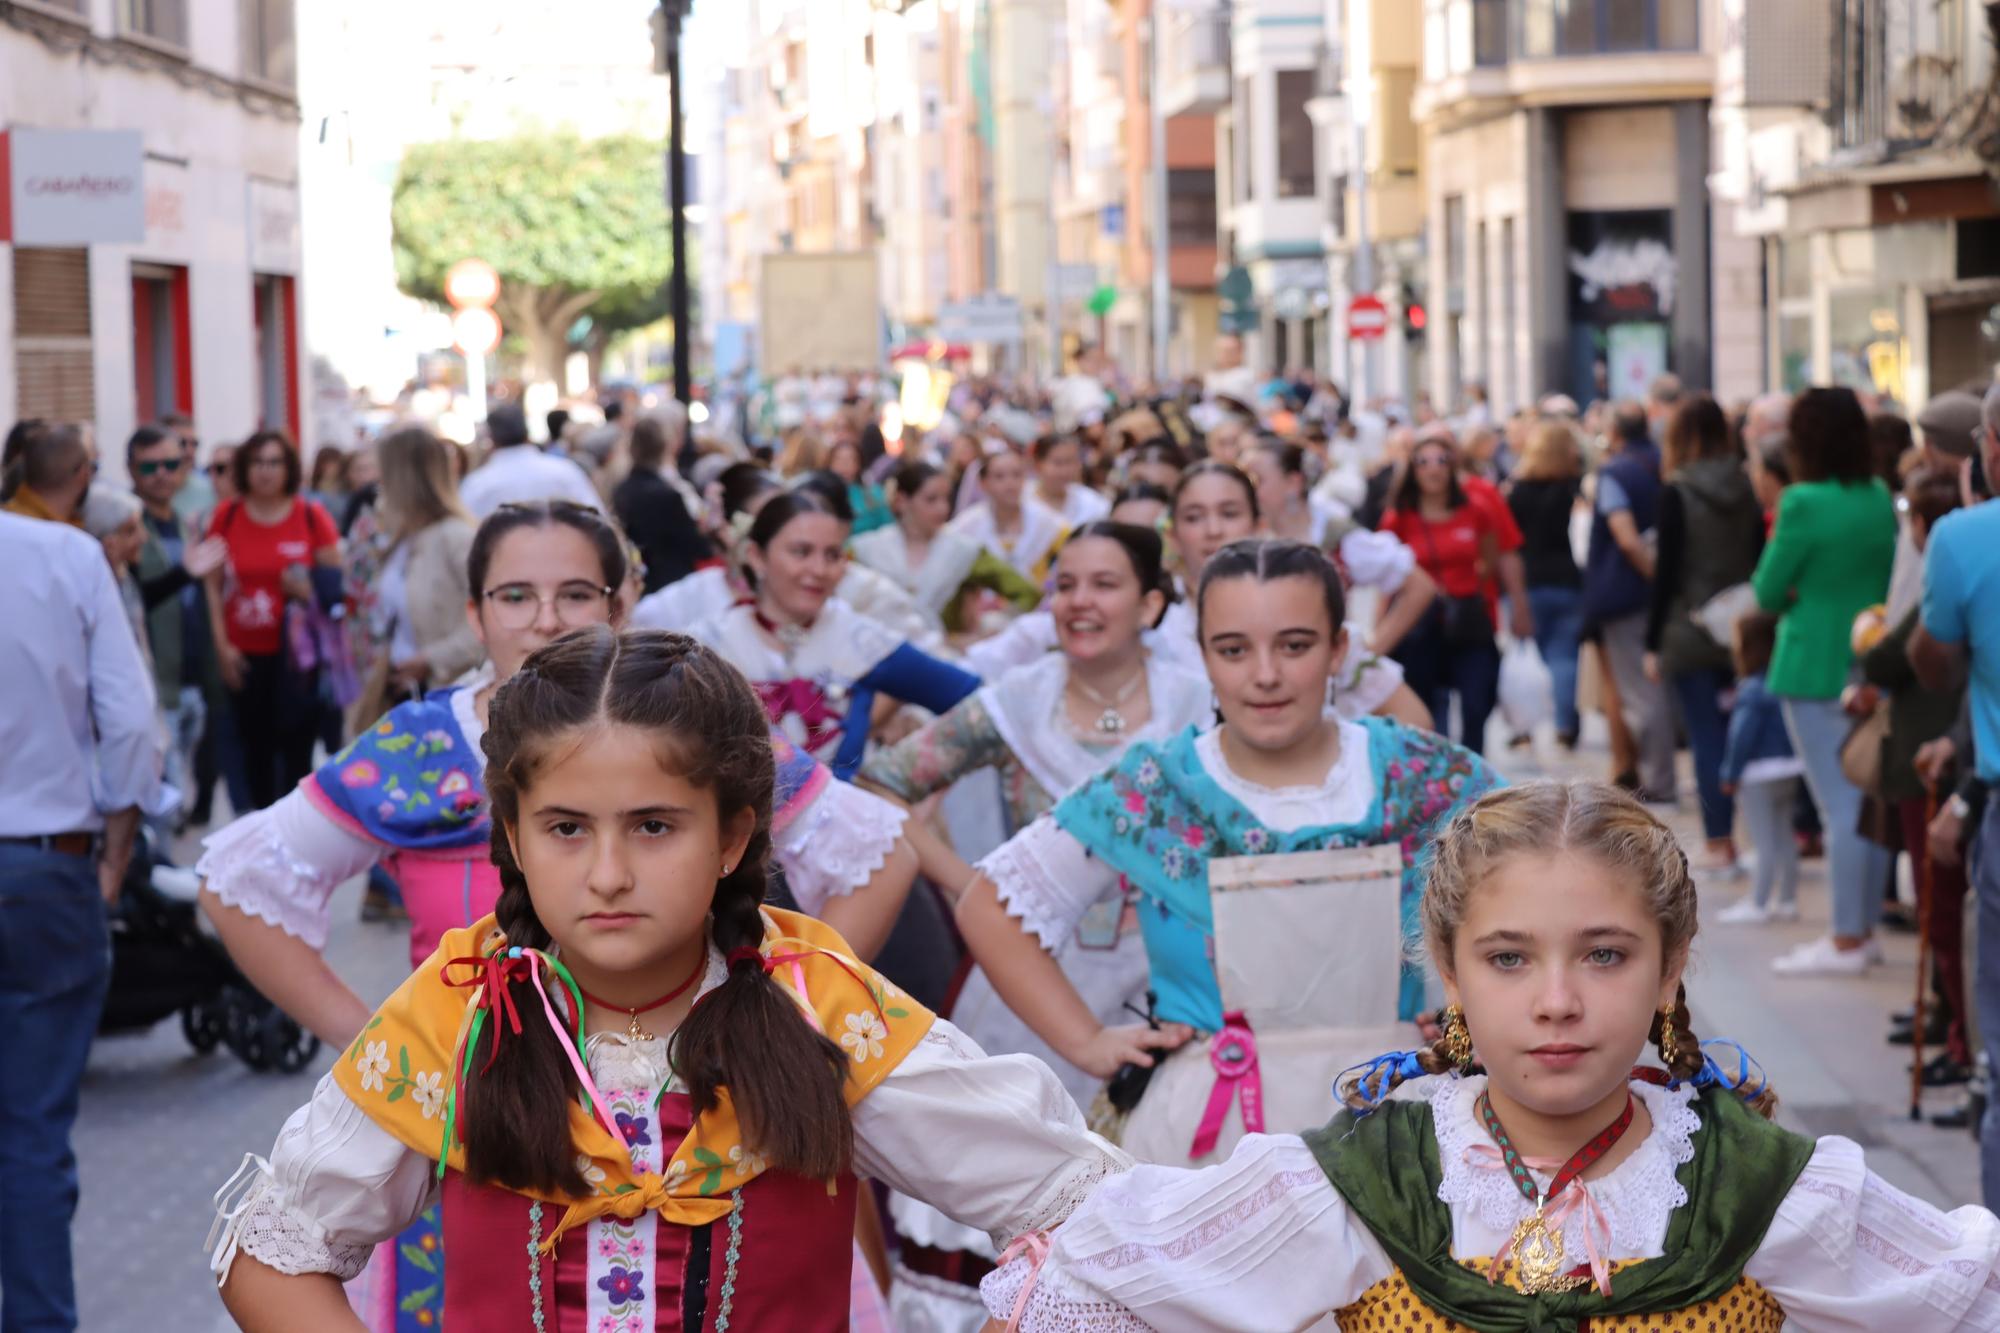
x=1828, y=559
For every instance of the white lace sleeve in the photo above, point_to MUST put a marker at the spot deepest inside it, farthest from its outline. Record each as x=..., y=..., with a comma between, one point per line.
x=1048, y=879
x=1376, y=559
x=1366, y=681
x=1026, y=639
x=836, y=844
x=337, y=1185
x=992, y=1141
x=1850, y=1253
x=1173, y=1249
x=282, y=863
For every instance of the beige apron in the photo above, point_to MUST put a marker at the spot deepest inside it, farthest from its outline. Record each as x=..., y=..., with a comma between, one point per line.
x=1308, y=953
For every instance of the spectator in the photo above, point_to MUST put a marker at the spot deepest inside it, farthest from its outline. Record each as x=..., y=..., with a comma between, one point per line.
x=1617, y=595
x=1711, y=533
x=519, y=473
x=1828, y=558
x=1918, y=716
x=1765, y=422
x=557, y=421
x=1663, y=397
x=328, y=484
x=1460, y=542
x=1959, y=641
x=83, y=751
x=112, y=517
x=843, y=458
x=221, y=474
x=50, y=474
x=172, y=567
x=1760, y=772
x=416, y=608
x=1948, y=426
x=1058, y=468
x=275, y=538
x=1543, y=496
x=653, y=514
x=198, y=497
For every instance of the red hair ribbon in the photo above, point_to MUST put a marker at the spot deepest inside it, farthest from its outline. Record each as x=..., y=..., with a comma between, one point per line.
x=495, y=971
x=744, y=953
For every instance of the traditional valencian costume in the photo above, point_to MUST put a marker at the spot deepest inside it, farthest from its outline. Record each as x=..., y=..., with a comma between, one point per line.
x=684, y=1227
x=410, y=792
x=1027, y=550
x=709, y=592
x=1420, y=1217
x=1273, y=919
x=953, y=565
x=820, y=686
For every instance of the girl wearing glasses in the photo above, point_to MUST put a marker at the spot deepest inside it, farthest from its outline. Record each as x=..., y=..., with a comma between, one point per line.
x=411, y=792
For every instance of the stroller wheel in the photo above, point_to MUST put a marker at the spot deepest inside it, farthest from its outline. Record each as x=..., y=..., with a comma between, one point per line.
x=202, y=1025
x=284, y=1045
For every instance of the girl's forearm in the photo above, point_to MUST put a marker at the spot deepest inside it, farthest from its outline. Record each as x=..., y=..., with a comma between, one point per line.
x=1031, y=982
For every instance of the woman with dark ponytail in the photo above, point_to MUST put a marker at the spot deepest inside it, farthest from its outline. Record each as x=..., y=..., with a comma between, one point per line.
x=635, y=1076
x=1538, y=1178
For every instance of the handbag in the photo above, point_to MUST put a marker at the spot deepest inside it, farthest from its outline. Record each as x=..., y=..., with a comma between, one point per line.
x=1463, y=622
x=1861, y=752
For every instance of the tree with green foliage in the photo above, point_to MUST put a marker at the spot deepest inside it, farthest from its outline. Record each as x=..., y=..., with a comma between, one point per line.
x=570, y=224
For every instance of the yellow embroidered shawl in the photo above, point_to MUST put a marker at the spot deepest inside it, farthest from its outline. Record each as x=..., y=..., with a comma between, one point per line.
x=398, y=1070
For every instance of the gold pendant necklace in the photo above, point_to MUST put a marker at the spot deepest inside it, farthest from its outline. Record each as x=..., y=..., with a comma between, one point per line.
x=1537, y=1248
x=1538, y=1256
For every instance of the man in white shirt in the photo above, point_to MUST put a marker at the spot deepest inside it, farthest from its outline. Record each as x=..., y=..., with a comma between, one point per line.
x=82, y=751
x=519, y=473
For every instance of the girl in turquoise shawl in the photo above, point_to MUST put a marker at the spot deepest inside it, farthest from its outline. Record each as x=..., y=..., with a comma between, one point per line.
x=1283, y=963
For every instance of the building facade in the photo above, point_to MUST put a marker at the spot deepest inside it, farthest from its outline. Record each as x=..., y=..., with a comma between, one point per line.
x=149, y=217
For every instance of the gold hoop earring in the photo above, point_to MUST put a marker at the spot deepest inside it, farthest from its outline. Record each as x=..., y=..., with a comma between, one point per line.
x=1457, y=1039
x=1669, y=1044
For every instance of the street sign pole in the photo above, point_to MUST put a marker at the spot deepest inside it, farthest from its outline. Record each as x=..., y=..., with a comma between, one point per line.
x=676, y=10
x=475, y=384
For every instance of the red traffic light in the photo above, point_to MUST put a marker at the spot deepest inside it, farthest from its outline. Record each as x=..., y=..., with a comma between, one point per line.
x=1416, y=318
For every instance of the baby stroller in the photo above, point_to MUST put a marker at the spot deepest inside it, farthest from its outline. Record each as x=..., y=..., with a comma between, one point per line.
x=165, y=958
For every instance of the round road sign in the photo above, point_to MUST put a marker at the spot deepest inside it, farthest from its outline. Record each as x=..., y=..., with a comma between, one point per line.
x=1367, y=318
x=471, y=283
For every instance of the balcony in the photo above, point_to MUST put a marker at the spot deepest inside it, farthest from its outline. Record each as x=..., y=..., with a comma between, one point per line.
x=1194, y=61
x=1902, y=71
x=1551, y=28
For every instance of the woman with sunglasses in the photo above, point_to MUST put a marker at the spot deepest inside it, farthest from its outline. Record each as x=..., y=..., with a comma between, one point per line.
x=1465, y=538
x=411, y=793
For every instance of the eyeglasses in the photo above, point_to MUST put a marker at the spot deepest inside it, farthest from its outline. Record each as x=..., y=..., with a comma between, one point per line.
x=154, y=466
x=519, y=605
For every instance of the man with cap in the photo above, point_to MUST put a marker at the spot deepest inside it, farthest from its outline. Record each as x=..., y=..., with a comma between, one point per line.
x=1946, y=429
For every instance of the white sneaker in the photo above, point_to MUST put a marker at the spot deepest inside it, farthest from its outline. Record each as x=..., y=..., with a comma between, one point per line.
x=1872, y=947
x=1819, y=957
x=1744, y=912
x=1783, y=912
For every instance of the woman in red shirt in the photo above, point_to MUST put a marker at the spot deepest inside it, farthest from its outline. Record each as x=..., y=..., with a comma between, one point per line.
x=1465, y=538
x=275, y=536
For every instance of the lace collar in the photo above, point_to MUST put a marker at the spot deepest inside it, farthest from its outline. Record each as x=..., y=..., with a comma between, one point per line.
x=1637, y=1197
x=1343, y=796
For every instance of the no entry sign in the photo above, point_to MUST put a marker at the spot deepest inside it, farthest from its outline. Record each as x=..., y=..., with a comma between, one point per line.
x=1367, y=318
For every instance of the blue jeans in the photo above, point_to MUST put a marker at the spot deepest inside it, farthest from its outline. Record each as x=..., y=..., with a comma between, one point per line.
x=1855, y=865
x=1985, y=869
x=1435, y=673
x=55, y=964
x=1558, y=613
x=1700, y=695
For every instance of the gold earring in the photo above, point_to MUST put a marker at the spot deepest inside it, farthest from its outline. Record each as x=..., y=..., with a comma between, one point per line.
x=1669, y=1044
x=1457, y=1039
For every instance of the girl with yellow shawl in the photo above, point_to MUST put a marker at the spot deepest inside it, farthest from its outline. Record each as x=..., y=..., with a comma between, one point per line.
x=643, y=1098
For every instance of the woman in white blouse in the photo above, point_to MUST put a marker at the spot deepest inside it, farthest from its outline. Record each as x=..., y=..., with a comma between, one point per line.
x=1008, y=521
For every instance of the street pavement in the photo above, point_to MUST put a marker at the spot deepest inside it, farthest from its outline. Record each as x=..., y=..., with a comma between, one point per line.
x=162, y=1128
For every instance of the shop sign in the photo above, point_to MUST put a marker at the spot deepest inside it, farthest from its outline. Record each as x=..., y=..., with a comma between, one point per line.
x=1622, y=266
x=274, y=227
x=72, y=187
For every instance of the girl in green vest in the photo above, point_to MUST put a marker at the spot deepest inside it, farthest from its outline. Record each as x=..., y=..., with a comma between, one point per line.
x=1528, y=1179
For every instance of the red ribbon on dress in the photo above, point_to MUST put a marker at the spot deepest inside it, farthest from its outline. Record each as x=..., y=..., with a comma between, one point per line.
x=495, y=971
x=805, y=701
x=744, y=953
x=1233, y=1052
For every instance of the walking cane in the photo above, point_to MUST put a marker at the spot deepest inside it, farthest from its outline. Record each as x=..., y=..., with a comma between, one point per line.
x=1923, y=963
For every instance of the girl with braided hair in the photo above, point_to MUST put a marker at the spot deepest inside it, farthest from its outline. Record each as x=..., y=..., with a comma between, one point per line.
x=1531, y=1179
x=643, y=1097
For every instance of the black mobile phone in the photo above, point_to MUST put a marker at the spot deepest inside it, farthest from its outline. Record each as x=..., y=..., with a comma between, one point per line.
x=1128, y=1085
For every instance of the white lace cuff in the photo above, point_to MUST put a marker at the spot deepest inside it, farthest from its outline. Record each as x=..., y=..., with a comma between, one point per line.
x=1046, y=879
x=258, y=1223
x=838, y=844
x=282, y=864
x=1366, y=684
x=1055, y=1304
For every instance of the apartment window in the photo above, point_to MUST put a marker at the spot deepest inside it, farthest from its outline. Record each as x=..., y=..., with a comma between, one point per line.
x=162, y=341
x=270, y=49
x=1246, y=157
x=1336, y=207
x=1482, y=327
x=1190, y=207
x=160, y=20
x=53, y=365
x=1509, y=311
x=1454, y=253
x=1295, y=134
x=1600, y=27
x=1489, y=32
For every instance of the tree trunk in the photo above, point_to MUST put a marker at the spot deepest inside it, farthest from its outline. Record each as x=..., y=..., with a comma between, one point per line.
x=542, y=317
x=594, y=348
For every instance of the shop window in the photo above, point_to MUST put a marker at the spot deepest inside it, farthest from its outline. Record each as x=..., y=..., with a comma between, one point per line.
x=1867, y=339
x=1295, y=134
x=163, y=21
x=277, y=331
x=52, y=350
x=162, y=342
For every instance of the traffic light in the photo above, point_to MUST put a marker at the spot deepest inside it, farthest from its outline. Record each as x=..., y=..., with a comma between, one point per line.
x=1415, y=318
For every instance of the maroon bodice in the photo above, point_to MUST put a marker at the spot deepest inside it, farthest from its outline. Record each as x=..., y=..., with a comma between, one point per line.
x=782, y=1260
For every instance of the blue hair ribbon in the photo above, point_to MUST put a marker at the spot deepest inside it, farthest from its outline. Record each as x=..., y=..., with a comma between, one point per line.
x=1714, y=1075
x=1384, y=1070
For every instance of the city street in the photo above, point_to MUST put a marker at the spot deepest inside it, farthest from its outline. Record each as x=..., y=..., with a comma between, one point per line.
x=162, y=1127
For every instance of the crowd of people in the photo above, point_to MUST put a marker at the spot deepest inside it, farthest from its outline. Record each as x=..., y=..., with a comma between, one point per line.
x=1078, y=769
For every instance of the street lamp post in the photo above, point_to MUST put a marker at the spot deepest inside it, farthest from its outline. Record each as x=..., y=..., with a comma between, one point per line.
x=667, y=21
